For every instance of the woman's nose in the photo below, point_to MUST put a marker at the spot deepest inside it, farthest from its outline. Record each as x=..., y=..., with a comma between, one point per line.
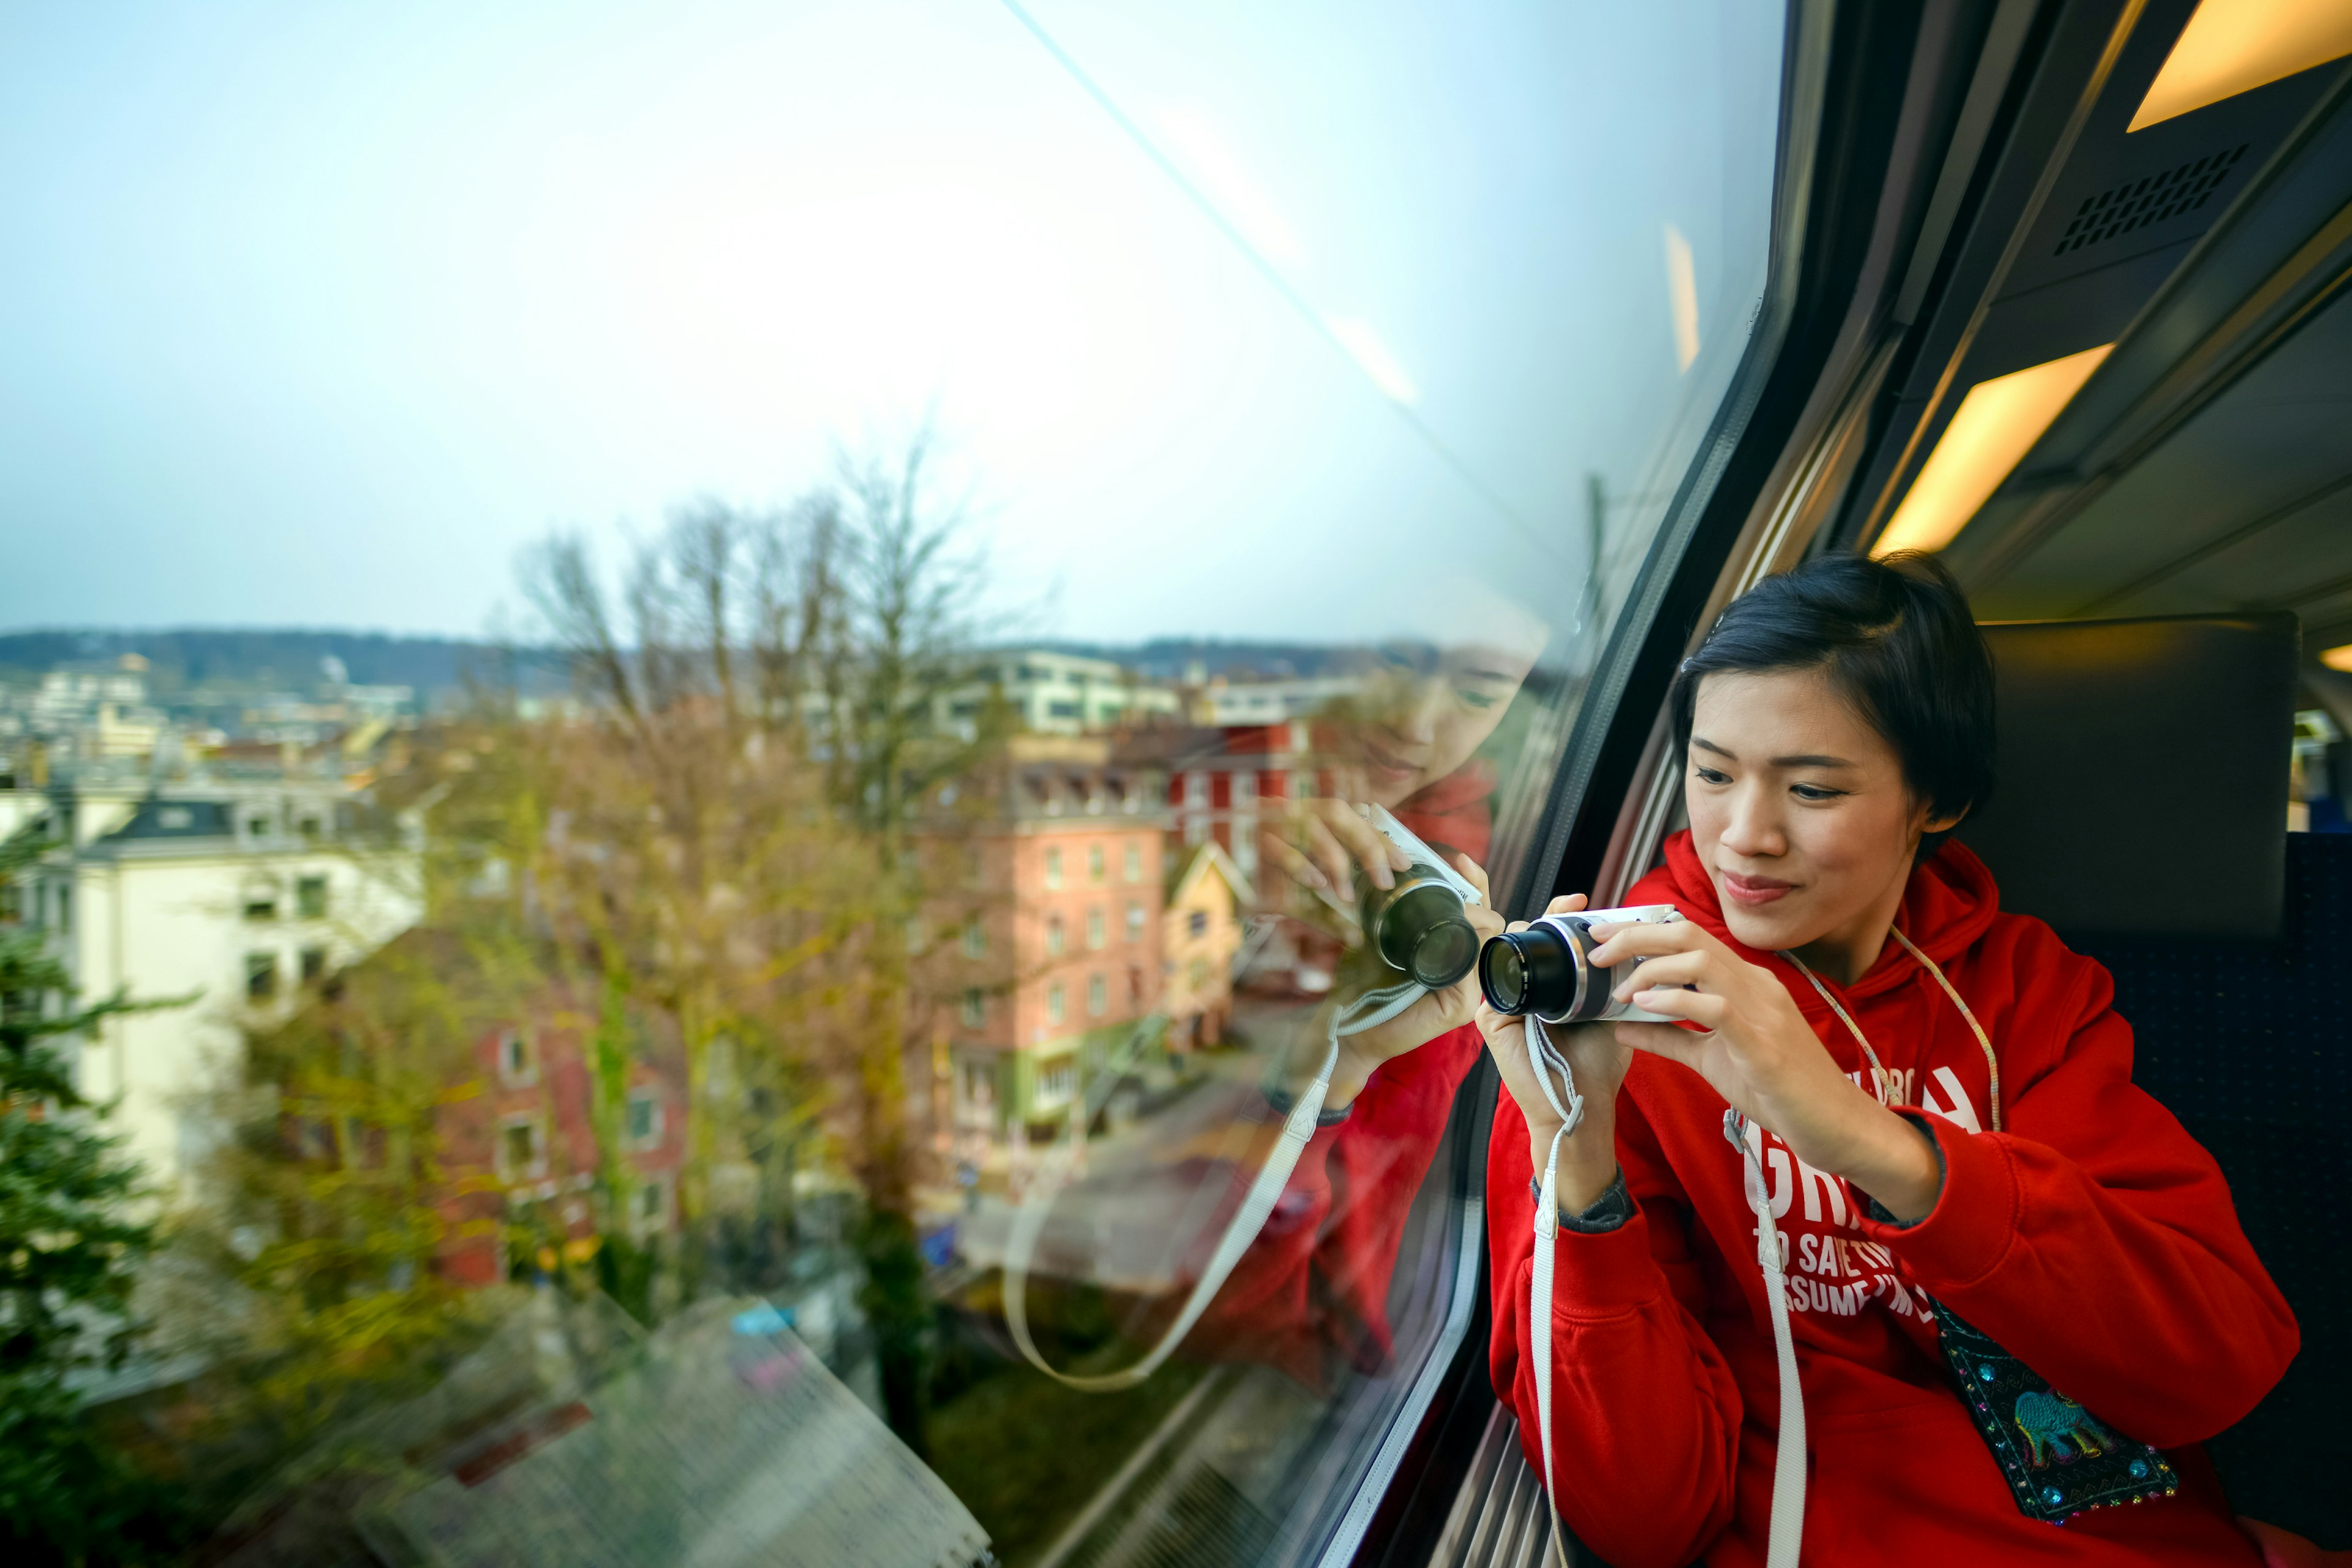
x=1414, y=716
x=1753, y=828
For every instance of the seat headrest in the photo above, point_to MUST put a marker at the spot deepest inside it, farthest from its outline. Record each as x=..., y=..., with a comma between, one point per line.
x=2141, y=781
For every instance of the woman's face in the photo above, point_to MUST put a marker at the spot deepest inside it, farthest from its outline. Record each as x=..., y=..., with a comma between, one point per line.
x=1424, y=712
x=1798, y=811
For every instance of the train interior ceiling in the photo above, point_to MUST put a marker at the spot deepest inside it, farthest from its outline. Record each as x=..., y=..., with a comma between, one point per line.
x=2099, y=358
x=2195, y=267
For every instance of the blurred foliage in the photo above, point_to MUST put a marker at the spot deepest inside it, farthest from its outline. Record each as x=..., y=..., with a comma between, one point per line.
x=73, y=1232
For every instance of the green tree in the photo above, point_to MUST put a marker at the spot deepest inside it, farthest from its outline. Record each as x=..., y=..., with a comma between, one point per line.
x=72, y=1235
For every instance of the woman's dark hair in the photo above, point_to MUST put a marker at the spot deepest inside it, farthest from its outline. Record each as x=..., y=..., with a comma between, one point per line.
x=1897, y=641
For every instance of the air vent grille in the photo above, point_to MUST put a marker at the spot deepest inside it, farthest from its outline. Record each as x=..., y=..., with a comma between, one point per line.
x=2136, y=203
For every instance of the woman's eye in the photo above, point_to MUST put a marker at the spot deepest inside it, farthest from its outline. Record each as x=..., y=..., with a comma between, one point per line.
x=1475, y=699
x=1708, y=776
x=1814, y=793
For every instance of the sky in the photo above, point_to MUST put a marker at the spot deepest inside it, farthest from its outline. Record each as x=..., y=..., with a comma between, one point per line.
x=320, y=314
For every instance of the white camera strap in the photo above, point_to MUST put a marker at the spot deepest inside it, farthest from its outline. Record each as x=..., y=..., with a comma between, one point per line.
x=1373, y=1008
x=1545, y=1058
x=1787, y=1530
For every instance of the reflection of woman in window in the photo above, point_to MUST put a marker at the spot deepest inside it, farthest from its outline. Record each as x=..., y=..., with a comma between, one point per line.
x=1315, y=1283
x=2008, y=1271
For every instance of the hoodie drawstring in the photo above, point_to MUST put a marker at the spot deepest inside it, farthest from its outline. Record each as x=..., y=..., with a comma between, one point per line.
x=1786, y=1531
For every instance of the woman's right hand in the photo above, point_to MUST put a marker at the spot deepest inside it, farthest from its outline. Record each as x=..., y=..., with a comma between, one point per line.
x=1588, y=1157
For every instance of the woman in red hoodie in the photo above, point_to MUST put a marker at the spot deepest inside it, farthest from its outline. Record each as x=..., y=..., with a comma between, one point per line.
x=2016, y=1291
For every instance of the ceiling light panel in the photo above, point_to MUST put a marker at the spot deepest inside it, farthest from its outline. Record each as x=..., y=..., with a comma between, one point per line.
x=1996, y=425
x=2232, y=46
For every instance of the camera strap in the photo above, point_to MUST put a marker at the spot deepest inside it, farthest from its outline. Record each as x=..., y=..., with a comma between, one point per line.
x=1545, y=1058
x=1367, y=1011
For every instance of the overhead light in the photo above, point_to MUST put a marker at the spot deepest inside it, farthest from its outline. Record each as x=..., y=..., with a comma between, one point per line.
x=1996, y=425
x=2338, y=658
x=1682, y=298
x=2232, y=46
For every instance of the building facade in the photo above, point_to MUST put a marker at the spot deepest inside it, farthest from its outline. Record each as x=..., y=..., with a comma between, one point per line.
x=226, y=901
x=1044, y=935
x=1208, y=900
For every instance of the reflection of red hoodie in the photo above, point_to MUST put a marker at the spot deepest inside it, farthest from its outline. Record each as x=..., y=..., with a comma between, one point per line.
x=1317, y=1278
x=2093, y=1239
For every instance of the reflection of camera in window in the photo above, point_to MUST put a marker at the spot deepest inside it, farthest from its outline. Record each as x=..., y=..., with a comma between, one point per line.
x=1419, y=925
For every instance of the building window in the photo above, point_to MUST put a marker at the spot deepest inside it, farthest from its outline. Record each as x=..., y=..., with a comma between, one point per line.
x=517, y=1060
x=1053, y=867
x=1097, y=995
x=978, y=1083
x=314, y=965
x=310, y=829
x=644, y=1118
x=257, y=826
x=1053, y=936
x=310, y=897
x=261, y=903
x=1134, y=921
x=1057, y=1082
x=175, y=818
x=1094, y=928
x=1055, y=1008
x=522, y=1150
x=65, y=908
x=1197, y=923
x=1095, y=863
x=974, y=1007
x=975, y=939
x=260, y=977
x=1135, y=862
x=651, y=1206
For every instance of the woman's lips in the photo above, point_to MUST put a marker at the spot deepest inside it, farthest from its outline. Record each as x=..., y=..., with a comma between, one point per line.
x=1388, y=763
x=1753, y=892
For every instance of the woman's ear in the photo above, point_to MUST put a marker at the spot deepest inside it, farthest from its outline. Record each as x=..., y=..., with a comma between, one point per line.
x=1944, y=823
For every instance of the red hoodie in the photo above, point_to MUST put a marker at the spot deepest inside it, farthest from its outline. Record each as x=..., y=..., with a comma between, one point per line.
x=1314, y=1282
x=2093, y=1239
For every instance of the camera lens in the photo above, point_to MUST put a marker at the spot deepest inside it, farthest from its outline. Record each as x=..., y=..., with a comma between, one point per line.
x=1445, y=954
x=1503, y=975
x=1418, y=927
x=1530, y=970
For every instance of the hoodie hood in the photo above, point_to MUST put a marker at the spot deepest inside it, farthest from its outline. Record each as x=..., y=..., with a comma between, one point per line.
x=1949, y=903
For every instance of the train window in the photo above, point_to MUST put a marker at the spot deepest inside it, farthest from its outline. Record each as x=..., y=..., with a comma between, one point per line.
x=828, y=474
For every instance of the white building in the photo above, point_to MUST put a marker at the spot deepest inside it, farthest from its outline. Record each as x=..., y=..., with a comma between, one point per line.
x=234, y=898
x=1061, y=694
x=1221, y=705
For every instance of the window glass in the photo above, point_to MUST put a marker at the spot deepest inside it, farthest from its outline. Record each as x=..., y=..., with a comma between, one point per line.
x=829, y=474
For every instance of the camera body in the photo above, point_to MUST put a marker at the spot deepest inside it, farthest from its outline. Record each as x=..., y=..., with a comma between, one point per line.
x=1418, y=926
x=1547, y=968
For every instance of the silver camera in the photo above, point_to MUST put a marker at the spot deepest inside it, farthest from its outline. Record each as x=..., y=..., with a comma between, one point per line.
x=1419, y=925
x=1548, y=969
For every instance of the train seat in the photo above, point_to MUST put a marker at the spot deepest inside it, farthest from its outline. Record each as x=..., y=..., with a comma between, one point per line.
x=2141, y=810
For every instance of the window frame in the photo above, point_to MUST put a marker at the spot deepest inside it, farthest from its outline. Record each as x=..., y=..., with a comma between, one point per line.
x=1762, y=491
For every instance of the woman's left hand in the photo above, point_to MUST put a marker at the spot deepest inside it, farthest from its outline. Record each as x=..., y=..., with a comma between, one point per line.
x=1434, y=1013
x=1758, y=1051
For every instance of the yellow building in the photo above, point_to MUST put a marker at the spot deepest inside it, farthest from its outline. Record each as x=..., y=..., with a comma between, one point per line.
x=1202, y=931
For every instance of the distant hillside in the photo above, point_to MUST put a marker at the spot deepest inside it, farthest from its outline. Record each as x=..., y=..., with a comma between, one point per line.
x=289, y=660
x=285, y=658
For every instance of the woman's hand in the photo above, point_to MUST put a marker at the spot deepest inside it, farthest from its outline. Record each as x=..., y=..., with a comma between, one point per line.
x=1430, y=1016
x=1760, y=1054
x=1597, y=1058
x=1320, y=843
